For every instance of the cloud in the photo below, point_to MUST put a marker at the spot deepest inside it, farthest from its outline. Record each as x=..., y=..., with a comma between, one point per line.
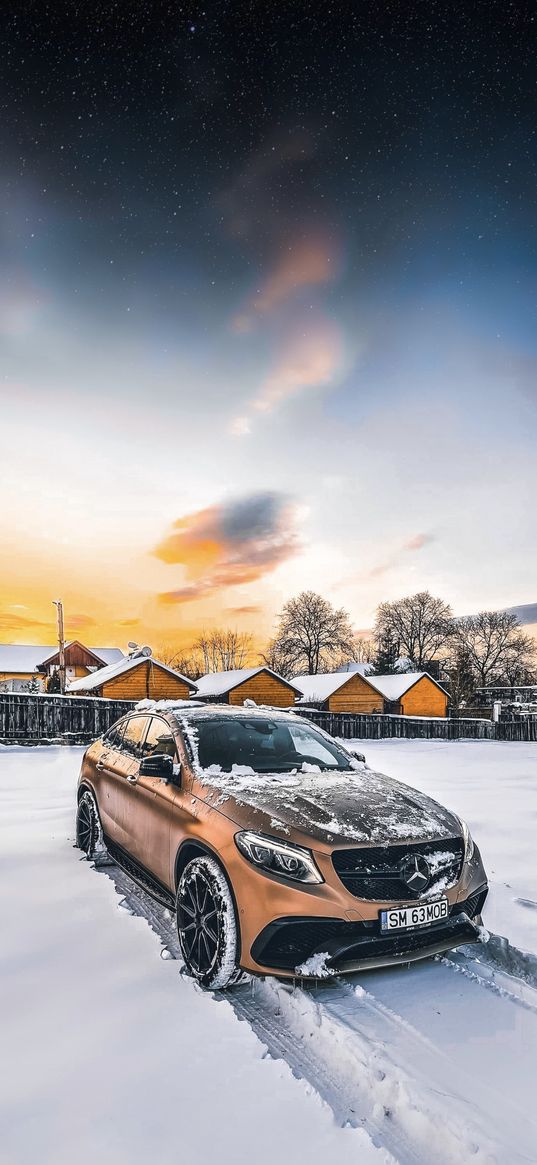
x=78, y=622
x=413, y=544
x=231, y=544
x=246, y=610
x=20, y=623
x=418, y=541
x=311, y=356
x=307, y=263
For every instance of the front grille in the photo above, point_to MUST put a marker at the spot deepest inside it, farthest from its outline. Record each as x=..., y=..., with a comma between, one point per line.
x=373, y=873
x=288, y=942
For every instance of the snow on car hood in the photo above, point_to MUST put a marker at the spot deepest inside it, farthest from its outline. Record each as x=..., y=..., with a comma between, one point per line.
x=356, y=806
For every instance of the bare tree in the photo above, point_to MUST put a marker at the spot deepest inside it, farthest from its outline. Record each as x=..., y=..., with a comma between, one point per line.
x=312, y=633
x=187, y=662
x=496, y=646
x=223, y=650
x=278, y=658
x=420, y=625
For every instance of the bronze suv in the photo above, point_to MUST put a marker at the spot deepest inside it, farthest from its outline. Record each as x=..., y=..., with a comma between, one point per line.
x=279, y=850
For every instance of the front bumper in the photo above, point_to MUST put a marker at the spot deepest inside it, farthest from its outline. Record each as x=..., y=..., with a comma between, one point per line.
x=287, y=943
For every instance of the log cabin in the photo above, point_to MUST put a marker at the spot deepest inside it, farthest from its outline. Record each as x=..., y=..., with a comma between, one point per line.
x=412, y=694
x=260, y=684
x=340, y=692
x=21, y=663
x=409, y=694
x=138, y=677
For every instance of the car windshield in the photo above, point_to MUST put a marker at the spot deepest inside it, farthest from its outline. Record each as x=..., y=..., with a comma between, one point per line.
x=266, y=745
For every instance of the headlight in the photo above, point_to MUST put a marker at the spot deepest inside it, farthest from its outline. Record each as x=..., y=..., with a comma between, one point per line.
x=276, y=857
x=468, y=841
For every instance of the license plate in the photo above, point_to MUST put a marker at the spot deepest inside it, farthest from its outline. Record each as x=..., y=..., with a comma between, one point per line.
x=407, y=917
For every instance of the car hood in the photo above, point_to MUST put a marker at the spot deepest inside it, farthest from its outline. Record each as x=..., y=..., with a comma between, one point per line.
x=359, y=806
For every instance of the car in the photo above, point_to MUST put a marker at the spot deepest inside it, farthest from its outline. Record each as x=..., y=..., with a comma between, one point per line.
x=279, y=850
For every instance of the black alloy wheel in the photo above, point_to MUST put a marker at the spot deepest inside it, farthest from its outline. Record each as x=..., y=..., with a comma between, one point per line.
x=206, y=923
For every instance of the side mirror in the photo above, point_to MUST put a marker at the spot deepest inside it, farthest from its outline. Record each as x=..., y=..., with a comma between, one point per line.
x=160, y=764
x=355, y=752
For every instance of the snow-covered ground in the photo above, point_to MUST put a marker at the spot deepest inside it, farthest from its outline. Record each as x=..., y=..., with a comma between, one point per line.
x=493, y=785
x=113, y=1056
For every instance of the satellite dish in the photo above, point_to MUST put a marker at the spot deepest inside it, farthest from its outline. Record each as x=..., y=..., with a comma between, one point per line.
x=132, y=646
x=146, y=651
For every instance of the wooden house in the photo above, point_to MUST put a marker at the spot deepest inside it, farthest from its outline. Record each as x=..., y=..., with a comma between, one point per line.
x=411, y=694
x=408, y=694
x=23, y=663
x=339, y=692
x=259, y=684
x=139, y=677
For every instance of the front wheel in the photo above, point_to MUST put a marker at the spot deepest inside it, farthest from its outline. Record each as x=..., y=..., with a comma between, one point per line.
x=206, y=924
x=89, y=834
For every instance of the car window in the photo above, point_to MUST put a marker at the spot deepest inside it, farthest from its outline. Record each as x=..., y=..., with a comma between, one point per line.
x=133, y=735
x=265, y=744
x=159, y=738
x=113, y=738
x=312, y=745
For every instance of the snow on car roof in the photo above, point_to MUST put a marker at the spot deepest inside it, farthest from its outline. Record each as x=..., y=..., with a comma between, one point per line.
x=219, y=682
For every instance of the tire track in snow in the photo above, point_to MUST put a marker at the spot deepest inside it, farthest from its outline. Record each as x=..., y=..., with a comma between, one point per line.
x=367, y=1061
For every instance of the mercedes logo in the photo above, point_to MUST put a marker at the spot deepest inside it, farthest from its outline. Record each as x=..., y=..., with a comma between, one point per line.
x=415, y=873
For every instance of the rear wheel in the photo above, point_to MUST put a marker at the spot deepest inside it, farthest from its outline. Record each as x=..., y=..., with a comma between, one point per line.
x=89, y=834
x=206, y=924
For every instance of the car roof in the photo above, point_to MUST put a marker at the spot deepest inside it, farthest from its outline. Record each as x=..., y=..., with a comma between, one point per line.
x=193, y=710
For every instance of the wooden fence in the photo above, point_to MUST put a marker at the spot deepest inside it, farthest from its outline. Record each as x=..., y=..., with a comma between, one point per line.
x=33, y=719
x=351, y=726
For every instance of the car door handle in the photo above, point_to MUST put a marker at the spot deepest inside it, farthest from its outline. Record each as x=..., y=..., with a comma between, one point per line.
x=99, y=765
x=132, y=780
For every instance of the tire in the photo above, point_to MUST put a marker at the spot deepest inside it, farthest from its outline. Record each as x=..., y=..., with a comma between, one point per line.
x=206, y=924
x=89, y=833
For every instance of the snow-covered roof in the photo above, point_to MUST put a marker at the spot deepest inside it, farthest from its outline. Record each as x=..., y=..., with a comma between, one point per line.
x=100, y=677
x=24, y=657
x=318, y=688
x=219, y=683
x=393, y=687
x=363, y=669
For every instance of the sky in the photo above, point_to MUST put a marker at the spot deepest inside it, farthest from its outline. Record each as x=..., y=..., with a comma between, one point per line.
x=267, y=311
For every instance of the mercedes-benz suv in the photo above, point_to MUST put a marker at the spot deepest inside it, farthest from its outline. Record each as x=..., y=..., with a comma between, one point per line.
x=280, y=851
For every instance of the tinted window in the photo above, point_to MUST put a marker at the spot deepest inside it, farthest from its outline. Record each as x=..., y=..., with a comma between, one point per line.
x=266, y=745
x=159, y=739
x=132, y=736
x=114, y=736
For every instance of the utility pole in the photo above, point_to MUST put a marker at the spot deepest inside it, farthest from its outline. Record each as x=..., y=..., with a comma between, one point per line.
x=61, y=643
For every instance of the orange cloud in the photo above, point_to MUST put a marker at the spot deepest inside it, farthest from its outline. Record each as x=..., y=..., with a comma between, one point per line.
x=311, y=358
x=228, y=545
x=309, y=263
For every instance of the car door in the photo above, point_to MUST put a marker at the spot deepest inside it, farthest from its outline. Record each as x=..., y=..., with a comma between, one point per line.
x=121, y=765
x=150, y=823
x=106, y=771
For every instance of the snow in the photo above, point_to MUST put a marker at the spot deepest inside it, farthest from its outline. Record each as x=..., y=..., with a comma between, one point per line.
x=219, y=683
x=493, y=786
x=114, y=1056
x=318, y=688
x=24, y=658
x=393, y=687
x=100, y=677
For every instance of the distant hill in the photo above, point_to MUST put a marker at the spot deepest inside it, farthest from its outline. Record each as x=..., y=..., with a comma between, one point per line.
x=527, y=613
